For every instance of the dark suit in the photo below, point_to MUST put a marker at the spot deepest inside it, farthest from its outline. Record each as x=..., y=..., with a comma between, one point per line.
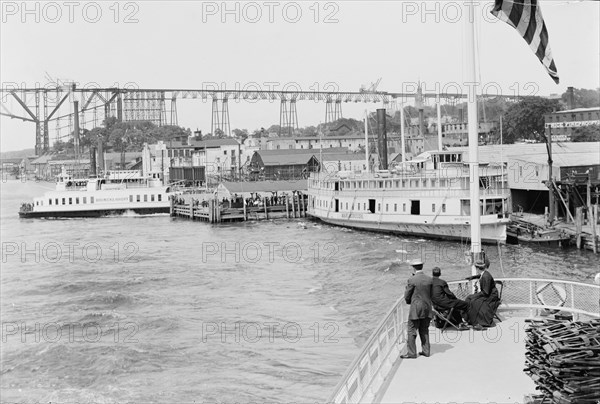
x=443, y=299
x=418, y=295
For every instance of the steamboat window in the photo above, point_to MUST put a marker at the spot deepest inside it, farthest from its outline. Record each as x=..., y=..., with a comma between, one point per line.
x=346, y=205
x=388, y=184
x=77, y=201
x=403, y=207
x=70, y=201
x=443, y=208
x=395, y=207
x=433, y=208
x=442, y=183
x=145, y=198
x=91, y=199
x=378, y=207
x=137, y=198
x=152, y=198
x=37, y=203
x=397, y=184
x=56, y=201
x=85, y=199
x=50, y=201
x=63, y=201
x=415, y=207
x=380, y=184
x=386, y=207
x=365, y=205
x=159, y=197
x=130, y=198
x=371, y=205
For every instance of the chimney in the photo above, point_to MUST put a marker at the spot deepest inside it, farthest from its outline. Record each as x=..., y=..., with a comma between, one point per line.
x=421, y=122
x=382, y=139
x=570, y=98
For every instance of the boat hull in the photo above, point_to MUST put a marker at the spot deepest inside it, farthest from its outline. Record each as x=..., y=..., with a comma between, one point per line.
x=490, y=233
x=92, y=213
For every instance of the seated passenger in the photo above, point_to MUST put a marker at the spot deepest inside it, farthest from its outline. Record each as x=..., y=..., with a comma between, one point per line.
x=443, y=299
x=483, y=304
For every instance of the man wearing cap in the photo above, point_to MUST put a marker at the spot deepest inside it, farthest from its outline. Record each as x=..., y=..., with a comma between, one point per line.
x=483, y=304
x=418, y=295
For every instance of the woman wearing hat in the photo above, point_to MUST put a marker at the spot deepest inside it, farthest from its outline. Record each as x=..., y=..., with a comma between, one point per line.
x=483, y=304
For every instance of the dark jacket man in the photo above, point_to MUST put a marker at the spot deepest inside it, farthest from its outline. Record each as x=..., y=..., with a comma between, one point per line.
x=443, y=298
x=418, y=295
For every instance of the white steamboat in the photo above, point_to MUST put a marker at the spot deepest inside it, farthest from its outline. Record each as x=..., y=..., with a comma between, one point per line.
x=425, y=197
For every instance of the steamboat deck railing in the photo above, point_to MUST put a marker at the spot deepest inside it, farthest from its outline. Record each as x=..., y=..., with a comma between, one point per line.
x=372, y=365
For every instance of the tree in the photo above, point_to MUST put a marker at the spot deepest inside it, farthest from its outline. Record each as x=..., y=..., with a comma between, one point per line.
x=586, y=134
x=525, y=119
x=583, y=98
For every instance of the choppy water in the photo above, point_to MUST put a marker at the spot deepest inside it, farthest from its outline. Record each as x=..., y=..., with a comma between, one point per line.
x=151, y=309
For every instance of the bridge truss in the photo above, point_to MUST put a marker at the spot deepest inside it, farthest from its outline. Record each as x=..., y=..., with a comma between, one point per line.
x=59, y=105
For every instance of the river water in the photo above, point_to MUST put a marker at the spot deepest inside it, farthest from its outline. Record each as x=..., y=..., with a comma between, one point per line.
x=154, y=309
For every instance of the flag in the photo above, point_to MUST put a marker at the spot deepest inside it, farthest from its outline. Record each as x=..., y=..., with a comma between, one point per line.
x=526, y=17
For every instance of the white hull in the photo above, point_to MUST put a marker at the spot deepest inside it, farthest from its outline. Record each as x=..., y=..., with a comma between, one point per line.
x=490, y=233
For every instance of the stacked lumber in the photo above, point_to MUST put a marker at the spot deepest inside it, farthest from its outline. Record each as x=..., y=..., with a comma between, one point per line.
x=563, y=359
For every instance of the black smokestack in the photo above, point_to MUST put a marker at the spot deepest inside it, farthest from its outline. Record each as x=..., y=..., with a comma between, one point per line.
x=92, y=160
x=421, y=122
x=100, y=155
x=382, y=139
x=570, y=97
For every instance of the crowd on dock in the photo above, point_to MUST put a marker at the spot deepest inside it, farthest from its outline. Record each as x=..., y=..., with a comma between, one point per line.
x=237, y=201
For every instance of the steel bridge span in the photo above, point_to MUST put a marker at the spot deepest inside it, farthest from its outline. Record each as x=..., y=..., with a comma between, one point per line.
x=74, y=105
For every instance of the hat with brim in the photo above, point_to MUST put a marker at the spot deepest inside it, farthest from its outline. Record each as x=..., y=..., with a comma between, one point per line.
x=480, y=263
x=416, y=262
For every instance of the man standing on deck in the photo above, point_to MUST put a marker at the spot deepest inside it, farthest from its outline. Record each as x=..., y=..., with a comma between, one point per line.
x=418, y=295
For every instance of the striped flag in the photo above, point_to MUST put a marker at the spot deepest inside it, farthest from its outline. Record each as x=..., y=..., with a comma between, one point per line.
x=526, y=17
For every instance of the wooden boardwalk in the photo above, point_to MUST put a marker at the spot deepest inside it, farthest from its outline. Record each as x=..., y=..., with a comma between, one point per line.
x=211, y=210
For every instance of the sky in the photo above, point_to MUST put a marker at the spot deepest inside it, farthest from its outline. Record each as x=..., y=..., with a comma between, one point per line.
x=270, y=44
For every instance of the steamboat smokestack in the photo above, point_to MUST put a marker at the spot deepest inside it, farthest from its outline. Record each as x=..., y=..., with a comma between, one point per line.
x=571, y=98
x=421, y=122
x=93, y=161
x=382, y=139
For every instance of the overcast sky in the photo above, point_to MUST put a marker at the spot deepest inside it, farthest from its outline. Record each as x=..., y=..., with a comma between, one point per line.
x=325, y=45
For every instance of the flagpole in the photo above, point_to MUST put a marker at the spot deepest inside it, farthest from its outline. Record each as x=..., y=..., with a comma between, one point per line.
x=367, y=140
x=473, y=139
x=402, y=139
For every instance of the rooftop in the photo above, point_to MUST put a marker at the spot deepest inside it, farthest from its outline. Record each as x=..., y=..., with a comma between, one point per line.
x=577, y=110
x=563, y=153
x=264, y=186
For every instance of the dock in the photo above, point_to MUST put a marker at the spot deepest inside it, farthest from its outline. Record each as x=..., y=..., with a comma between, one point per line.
x=583, y=235
x=209, y=208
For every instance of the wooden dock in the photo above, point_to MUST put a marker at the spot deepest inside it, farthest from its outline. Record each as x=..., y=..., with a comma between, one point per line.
x=209, y=209
x=582, y=235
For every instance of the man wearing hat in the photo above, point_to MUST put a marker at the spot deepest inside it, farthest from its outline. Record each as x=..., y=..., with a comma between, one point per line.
x=418, y=295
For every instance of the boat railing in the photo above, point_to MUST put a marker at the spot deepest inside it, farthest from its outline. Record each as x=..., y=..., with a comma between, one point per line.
x=369, y=370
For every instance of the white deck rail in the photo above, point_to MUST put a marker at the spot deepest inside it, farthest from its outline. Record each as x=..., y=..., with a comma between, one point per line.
x=371, y=367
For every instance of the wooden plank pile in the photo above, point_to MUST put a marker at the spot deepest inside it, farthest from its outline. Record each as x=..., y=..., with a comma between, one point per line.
x=563, y=359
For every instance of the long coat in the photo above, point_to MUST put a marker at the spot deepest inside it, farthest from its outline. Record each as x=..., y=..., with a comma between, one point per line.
x=483, y=305
x=418, y=295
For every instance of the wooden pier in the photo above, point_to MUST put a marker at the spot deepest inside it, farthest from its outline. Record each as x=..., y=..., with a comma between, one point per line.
x=211, y=210
x=582, y=235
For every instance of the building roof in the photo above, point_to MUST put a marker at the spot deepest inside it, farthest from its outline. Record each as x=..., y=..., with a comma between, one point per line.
x=564, y=154
x=315, y=151
x=286, y=159
x=43, y=159
x=577, y=110
x=210, y=143
x=12, y=161
x=265, y=186
x=342, y=156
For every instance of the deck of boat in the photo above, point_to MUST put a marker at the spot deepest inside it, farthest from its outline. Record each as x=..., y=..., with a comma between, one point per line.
x=466, y=367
